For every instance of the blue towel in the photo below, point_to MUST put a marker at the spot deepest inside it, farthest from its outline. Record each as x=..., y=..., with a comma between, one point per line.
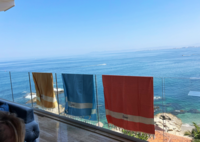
x=79, y=95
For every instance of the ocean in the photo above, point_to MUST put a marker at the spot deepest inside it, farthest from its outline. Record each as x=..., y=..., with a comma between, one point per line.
x=176, y=72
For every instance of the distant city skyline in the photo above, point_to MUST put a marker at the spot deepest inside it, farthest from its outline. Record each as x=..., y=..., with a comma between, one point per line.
x=45, y=29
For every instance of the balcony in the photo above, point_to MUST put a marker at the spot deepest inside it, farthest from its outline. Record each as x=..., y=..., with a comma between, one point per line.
x=176, y=106
x=56, y=129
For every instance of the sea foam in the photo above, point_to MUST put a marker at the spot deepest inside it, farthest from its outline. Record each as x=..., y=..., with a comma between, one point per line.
x=186, y=125
x=28, y=95
x=157, y=98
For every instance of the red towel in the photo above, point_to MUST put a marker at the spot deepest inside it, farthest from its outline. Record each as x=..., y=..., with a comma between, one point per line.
x=129, y=102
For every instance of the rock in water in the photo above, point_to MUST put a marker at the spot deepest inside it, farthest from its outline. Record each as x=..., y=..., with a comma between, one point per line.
x=34, y=100
x=194, y=111
x=62, y=109
x=59, y=91
x=168, y=122
x=164, y=117
x=100, y=124
x=116, y=130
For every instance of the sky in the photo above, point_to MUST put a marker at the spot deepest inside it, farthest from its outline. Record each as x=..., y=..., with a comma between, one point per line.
x=54, y=28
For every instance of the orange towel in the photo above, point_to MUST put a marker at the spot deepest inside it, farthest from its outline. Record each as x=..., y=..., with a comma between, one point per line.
x=44, y=90
x=129, y=102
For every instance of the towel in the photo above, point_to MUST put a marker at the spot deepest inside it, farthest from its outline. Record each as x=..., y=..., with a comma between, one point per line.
x=129, y=102
x=80, y=96
x=44, y=90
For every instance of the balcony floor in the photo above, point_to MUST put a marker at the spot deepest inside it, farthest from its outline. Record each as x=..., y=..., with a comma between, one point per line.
x=53, y=131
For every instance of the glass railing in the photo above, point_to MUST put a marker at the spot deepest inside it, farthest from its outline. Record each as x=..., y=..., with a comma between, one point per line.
x=176, y=102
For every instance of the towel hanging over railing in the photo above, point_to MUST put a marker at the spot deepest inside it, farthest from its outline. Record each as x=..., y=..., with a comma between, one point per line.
x=79, y=94
x=44, y=90
x=129, y=102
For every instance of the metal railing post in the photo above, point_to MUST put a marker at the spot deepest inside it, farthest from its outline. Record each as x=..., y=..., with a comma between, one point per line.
x=30, y=88
x=57, y=94
x=163, y=103
x=97, y=98
x=11, y=86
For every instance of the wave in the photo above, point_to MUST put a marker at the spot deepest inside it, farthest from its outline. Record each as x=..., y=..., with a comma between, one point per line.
x=101, y=65
x=157, y=98
x=28, y=95
x=95, y=65
x=186, y=125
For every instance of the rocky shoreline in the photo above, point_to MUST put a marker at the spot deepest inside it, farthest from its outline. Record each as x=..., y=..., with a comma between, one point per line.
x=171, y=124
x=168, y=123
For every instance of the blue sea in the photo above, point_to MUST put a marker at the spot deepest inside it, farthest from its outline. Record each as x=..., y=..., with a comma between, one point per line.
x=176, y=72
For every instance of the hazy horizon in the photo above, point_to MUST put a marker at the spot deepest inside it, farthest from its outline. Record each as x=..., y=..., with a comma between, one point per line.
x=91, y=54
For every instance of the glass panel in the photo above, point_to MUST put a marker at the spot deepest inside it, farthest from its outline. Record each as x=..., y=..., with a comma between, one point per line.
x=180, y=108
x=32, y=84
x=5, y=86
x=101, y=104
x=158, y=109
x=176, y=102
x=60, y=96
x=21, y=88
x=194, y=87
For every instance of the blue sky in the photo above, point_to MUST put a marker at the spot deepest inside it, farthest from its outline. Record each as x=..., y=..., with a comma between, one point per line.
x=49, y=28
